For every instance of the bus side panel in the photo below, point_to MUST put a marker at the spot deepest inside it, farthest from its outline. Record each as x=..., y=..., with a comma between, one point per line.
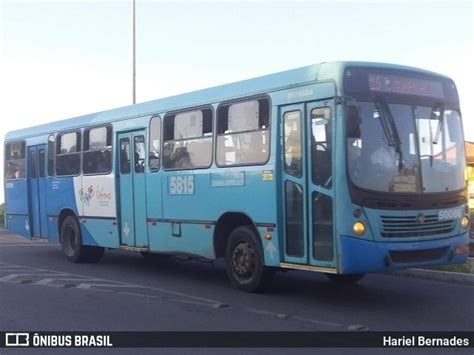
x=248, y=190
x=154, y=208
x=16, y=198
x=99, y=232
x=60, y=196
x=195, y=239
x=99, y=222
x=53, y=232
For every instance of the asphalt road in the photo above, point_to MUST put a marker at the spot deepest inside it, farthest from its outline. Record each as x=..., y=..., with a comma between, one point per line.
x=40, y=290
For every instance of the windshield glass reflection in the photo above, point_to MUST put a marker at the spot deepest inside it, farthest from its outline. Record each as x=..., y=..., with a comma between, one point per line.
x=427, y=156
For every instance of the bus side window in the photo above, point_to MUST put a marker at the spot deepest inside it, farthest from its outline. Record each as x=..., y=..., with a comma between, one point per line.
x=243, y=133
x=68, y=154
x=15, y=160
x=187, y=140
x=97, y=156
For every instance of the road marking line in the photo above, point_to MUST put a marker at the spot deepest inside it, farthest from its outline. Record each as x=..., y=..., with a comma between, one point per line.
x=48, y=281
x=190, y=302
x=165, y=298
x=13, y=276
x=316, y=321
x=25, y=244
x=268, y=313
x=88, y=285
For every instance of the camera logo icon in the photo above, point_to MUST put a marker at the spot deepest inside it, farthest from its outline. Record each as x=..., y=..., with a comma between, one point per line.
x=17, y=339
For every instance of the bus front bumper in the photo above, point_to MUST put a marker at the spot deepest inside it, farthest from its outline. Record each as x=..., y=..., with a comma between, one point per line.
x=361, y=256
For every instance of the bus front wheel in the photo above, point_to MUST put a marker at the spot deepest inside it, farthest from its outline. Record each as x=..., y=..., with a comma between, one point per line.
x=71, y=243
x=244, y=261
x=345, y=278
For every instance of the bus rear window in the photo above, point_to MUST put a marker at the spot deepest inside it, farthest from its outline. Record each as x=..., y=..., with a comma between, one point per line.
x=15, y=160
x=243, y=133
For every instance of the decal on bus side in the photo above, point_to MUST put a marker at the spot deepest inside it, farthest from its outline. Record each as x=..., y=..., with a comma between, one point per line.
x=181, y=185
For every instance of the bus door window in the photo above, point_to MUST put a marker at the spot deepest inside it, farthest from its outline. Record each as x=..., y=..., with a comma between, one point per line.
x=41, y=162
x=139, y=151
x=294, y=196
x=51, y=155
x=321, y=171
x=321, y=147
x=33, y=164
x=154, y=144
x=293, y=143
x=124, y=156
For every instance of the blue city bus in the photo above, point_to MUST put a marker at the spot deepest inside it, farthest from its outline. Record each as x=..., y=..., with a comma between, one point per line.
x=343, y=168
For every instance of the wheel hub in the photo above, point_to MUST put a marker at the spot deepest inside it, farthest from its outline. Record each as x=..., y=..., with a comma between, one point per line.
x=243, y=260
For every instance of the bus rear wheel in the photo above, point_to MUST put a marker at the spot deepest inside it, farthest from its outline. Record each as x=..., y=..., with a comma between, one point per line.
x=345, y=278
x=71, y=243
x=244, y=261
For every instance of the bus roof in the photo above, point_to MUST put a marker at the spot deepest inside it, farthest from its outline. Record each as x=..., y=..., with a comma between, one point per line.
x=249, y=87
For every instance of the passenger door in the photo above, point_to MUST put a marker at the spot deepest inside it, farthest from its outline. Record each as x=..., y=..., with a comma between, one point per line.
x=36, y=183
x=132, y=204
x=294, y=184
x=307, y=184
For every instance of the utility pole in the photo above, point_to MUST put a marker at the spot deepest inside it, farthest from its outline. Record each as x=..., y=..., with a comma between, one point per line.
x=133, y=55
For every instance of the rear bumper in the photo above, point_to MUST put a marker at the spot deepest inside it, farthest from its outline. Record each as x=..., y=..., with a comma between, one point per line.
x=360, y=256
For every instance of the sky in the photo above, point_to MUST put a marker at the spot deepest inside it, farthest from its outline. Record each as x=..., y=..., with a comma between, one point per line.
x=61, y=59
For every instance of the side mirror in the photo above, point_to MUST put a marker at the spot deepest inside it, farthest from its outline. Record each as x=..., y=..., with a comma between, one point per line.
x=352, y=122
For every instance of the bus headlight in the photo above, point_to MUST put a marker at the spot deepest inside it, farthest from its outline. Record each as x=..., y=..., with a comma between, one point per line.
x=465, y=222
x=358, y=227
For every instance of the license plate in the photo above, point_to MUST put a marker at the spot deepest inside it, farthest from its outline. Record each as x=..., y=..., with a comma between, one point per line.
x=449, y=214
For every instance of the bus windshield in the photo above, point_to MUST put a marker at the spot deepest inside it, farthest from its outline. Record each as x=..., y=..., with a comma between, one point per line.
x=427, y=155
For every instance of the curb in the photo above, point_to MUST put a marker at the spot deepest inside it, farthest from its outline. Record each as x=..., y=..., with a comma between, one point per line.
x=435, y=275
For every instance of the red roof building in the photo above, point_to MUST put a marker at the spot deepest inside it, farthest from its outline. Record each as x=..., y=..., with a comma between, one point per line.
x=469, y=147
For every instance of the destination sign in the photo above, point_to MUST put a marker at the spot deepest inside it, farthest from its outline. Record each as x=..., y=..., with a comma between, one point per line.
x=405, y=85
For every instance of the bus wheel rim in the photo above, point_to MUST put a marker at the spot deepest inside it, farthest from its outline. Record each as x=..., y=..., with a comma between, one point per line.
x=243, y=260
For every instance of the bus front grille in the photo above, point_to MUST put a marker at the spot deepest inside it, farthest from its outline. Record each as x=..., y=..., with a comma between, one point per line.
x=414, y=226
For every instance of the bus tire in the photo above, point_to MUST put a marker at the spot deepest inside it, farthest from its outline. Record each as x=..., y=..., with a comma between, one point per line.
x=345, y=278
x=244, y=261
x=71, y=243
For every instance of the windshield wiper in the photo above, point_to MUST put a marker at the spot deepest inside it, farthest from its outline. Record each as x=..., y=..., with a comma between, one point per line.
x=437, y=113
x=389, y=129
